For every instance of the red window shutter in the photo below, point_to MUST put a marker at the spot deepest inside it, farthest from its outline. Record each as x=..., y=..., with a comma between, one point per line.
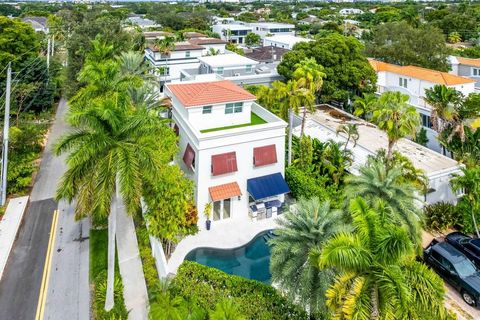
x=189, y=156
x=264, y=155
x=224, y=163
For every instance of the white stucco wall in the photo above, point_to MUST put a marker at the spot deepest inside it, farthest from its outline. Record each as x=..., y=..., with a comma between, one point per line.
x=218, y=118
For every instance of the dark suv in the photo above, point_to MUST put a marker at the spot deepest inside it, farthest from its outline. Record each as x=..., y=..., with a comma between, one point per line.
x=456, y=269
x=468, y=246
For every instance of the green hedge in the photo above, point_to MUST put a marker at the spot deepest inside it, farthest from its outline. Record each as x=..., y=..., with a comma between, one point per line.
x=441, y=216
x=207, y=286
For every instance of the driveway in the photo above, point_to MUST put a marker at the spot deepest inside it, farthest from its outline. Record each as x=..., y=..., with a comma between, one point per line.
x=455, y=302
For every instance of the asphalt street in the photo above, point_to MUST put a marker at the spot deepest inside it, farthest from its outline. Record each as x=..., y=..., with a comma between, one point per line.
x=67, y=295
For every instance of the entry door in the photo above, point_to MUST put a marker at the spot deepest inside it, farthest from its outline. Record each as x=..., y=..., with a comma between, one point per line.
x=217, y=210
x=227, y=207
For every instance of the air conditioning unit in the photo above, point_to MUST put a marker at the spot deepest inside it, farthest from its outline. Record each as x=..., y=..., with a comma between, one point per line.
x=237, y=74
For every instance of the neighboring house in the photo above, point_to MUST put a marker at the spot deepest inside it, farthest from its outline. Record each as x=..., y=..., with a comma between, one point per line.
x=156, y=35
x=267, y=54
x=142, y=22
x=234, y=67
x=309, y=20
x=223, y=20
x=413, y=81
x=39, y=24
x=283, y=41
x=264, y=29
x=232, y=32
x=348, y=11
x=217, y=45
x=191, y=35
x=231, y=147
x=466, y=67
x=438, y=169
x=184, y=55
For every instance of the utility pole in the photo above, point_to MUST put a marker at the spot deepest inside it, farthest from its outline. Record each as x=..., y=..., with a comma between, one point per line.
x=6, y=126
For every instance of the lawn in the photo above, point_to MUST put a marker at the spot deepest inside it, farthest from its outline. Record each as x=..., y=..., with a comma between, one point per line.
x=98, y=278
x=255, y=119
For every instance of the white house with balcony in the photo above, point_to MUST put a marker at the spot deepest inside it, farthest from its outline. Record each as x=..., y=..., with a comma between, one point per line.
x=231, y=147
x=283, y=41
x=413, y=81
x=183, y=55
x=234, y=67
x=232, y=32
x=264, y=29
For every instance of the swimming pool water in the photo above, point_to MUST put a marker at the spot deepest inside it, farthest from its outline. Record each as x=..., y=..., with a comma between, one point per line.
x=250, y=261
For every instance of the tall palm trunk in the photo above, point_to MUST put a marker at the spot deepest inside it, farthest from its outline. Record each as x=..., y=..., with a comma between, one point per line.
x=375, y=313
x=290, y=132
x=304, y=118
x=391, y=143
x=112, y=230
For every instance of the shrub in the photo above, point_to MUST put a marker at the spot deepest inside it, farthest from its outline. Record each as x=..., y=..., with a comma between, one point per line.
x=441, y=216
x=303, y=185
x=207, y=286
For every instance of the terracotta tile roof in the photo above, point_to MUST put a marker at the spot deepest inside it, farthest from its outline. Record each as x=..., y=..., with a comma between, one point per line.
x=200, y=41
x=469, y=61
x=420, y=73
x=211, y=92
x=224, y=191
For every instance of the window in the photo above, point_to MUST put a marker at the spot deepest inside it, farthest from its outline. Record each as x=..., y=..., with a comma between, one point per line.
x=402, y=82
x=187, y=54
x=207, y=109
x=220, y=70
x=248, y=68
x=476, y=72
x=164, y=71
x=426, y=121
x=233, y=107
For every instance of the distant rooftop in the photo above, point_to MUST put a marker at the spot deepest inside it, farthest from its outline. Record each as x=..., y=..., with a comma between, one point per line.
x=211, y=92
x=267, y=54
x=469, y=61
x=203, y=41
x=325, y=121
x=287, y=39
x=429, y=75
x=272, y=25
x=227, y=60
x=235, y=26
x=191, y=35
x=179, y=46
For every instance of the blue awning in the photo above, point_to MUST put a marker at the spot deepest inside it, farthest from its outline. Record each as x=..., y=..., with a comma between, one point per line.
x=267, y=186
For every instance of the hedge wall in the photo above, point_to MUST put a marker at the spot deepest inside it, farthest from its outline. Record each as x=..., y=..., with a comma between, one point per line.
x=207, y=286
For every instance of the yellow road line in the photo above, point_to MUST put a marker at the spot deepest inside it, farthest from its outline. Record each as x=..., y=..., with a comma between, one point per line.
x=42, y=296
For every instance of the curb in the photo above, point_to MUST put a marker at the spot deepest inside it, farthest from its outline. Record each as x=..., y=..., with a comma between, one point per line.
x=9, y=226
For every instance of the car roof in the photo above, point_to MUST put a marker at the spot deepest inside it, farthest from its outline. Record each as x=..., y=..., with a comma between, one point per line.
x=449, y=252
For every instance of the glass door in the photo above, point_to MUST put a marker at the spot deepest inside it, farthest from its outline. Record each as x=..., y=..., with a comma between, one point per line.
x=227, y=208
x=217, y=206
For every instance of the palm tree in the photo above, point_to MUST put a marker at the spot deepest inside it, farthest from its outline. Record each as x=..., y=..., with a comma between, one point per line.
x=351, y=130
x=305, y=226
x=213, y=52
x=363, y=106
x=310, y=75
x=226, y=309
x=469, y=183
x=165, y=47
x=444, y=101
x=336, y=160
x=383, y=189
x=378, y=275
x=396, y=118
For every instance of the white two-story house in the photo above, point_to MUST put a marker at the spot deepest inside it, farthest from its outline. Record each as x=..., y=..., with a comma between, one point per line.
x=231, y=147
x=466, y=67
x=232, y=32
x=413, y=81
x=183, y=55
x=264, y=29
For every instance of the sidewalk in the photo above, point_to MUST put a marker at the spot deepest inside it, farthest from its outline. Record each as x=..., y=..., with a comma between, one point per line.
x=9, y=225
x=131, y=270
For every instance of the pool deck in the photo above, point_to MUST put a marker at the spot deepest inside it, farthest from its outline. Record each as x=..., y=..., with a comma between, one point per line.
x=226, y=234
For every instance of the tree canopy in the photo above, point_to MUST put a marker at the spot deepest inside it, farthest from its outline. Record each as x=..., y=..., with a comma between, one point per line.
x=402, y=44
x=347, y=70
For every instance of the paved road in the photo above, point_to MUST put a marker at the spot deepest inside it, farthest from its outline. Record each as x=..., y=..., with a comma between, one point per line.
x=68, y=283
x=456, y=303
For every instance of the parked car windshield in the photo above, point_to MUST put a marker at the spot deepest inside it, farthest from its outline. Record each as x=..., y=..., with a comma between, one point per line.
x=465, y=268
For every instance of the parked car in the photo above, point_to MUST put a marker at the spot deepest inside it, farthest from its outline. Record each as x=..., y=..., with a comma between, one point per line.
x=456, y=269
x=468, y=246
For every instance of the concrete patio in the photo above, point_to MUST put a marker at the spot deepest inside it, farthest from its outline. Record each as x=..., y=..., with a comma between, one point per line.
x=224, y=234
